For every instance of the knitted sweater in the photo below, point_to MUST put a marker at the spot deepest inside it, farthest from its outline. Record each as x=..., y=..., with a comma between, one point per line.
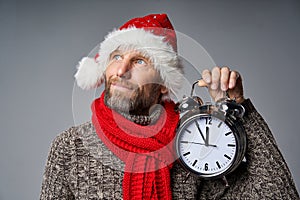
x=80, y=166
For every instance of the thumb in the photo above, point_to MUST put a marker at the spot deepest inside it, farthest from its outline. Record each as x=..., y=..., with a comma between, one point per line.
x=202, y=83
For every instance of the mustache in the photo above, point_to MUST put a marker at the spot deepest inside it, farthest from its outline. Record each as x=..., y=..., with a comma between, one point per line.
x=122, y=82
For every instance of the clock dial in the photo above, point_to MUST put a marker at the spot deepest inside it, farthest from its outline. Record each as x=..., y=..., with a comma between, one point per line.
x=206, y=145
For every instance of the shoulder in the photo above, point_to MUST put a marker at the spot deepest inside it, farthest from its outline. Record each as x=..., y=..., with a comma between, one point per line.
x=80, y=142
x=73, y=133
x=72, y=139
x=249, y=107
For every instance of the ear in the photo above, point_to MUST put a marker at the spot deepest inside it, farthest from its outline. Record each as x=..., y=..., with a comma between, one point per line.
x=163, y=90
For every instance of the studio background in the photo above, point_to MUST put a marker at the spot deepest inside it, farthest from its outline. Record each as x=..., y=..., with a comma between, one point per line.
x=42, y=41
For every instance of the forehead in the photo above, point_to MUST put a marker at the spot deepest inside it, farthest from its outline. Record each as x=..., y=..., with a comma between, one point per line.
x=132, y=50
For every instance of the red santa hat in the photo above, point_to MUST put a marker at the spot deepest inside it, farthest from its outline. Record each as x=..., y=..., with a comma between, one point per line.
x=153, y=35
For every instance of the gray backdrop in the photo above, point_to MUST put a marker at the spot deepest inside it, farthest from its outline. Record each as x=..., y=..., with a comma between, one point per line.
x=42, y=41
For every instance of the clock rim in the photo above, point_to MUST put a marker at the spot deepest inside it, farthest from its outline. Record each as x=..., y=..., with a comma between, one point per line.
x=235, y=126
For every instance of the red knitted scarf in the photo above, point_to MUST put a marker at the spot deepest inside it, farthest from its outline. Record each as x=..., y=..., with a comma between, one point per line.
x=147, y=151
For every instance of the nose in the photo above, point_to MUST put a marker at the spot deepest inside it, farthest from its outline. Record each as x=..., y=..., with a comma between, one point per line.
x=124, y=67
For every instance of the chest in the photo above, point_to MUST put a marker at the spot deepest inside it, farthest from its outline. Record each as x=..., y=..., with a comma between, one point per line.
x=91, y=178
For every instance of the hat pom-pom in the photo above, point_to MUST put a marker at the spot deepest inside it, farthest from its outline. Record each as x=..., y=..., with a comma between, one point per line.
x=88, y=75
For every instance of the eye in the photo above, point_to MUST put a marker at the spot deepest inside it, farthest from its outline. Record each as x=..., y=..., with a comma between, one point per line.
x=141, y=62
x=117, y=57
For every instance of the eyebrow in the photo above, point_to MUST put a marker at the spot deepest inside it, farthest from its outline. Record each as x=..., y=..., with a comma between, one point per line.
x=139, y=55
x=114, y=52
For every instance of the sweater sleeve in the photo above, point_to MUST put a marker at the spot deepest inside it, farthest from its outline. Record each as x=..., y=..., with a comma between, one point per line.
x=267, y=172
x=265, y=175
x=54, y=184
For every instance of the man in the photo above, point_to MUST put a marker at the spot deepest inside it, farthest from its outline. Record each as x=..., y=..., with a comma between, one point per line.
x=126, y=151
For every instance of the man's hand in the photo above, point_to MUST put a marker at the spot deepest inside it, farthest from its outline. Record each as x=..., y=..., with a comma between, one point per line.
x=219, y=80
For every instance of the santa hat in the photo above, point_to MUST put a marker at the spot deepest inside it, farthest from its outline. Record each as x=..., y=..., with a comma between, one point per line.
x=153, y=35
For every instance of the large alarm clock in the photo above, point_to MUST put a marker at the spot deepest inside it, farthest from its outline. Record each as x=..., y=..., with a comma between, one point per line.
x=210, y=140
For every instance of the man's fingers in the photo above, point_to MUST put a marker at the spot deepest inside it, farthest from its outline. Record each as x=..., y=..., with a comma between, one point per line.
x=225, y=72
x=234, y=75
x=202, y=83
x=215, y=78
x=219, y=77
x=206, y=76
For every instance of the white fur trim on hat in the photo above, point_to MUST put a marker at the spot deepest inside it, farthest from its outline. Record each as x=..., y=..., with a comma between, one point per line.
x=161, y=54
x=88, y=73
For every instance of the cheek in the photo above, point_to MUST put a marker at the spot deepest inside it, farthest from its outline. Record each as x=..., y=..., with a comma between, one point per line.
x=144, y=77
x=110, y=70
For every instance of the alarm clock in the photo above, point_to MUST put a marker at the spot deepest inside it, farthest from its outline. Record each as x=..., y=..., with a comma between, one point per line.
x=210, y=138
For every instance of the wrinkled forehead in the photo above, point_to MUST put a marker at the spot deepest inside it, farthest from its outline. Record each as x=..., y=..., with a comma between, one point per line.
x=132, y=49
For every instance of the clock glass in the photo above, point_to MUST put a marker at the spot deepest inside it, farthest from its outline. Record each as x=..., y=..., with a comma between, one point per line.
x=206, y=145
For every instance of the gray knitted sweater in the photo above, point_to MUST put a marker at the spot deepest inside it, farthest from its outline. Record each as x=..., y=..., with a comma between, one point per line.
x=80, y=166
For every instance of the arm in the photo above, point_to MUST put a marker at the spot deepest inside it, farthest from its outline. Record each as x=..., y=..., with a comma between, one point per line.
x=54, y=184
x=265, y=173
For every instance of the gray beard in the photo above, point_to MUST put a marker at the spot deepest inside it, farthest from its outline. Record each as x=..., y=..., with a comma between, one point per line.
x=118, y=102
x=137, y=104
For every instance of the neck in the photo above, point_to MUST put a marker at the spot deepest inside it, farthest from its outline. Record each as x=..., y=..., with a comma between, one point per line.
x=150, y=118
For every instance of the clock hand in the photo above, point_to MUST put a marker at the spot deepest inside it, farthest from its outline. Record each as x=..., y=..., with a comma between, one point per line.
x=200, y=132
x=207, y=136
x=212, y=145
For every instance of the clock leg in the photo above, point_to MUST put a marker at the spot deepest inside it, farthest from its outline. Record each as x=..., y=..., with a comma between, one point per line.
x=225, y=181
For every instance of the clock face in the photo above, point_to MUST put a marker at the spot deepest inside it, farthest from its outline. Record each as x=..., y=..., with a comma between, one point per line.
x=206, y=145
